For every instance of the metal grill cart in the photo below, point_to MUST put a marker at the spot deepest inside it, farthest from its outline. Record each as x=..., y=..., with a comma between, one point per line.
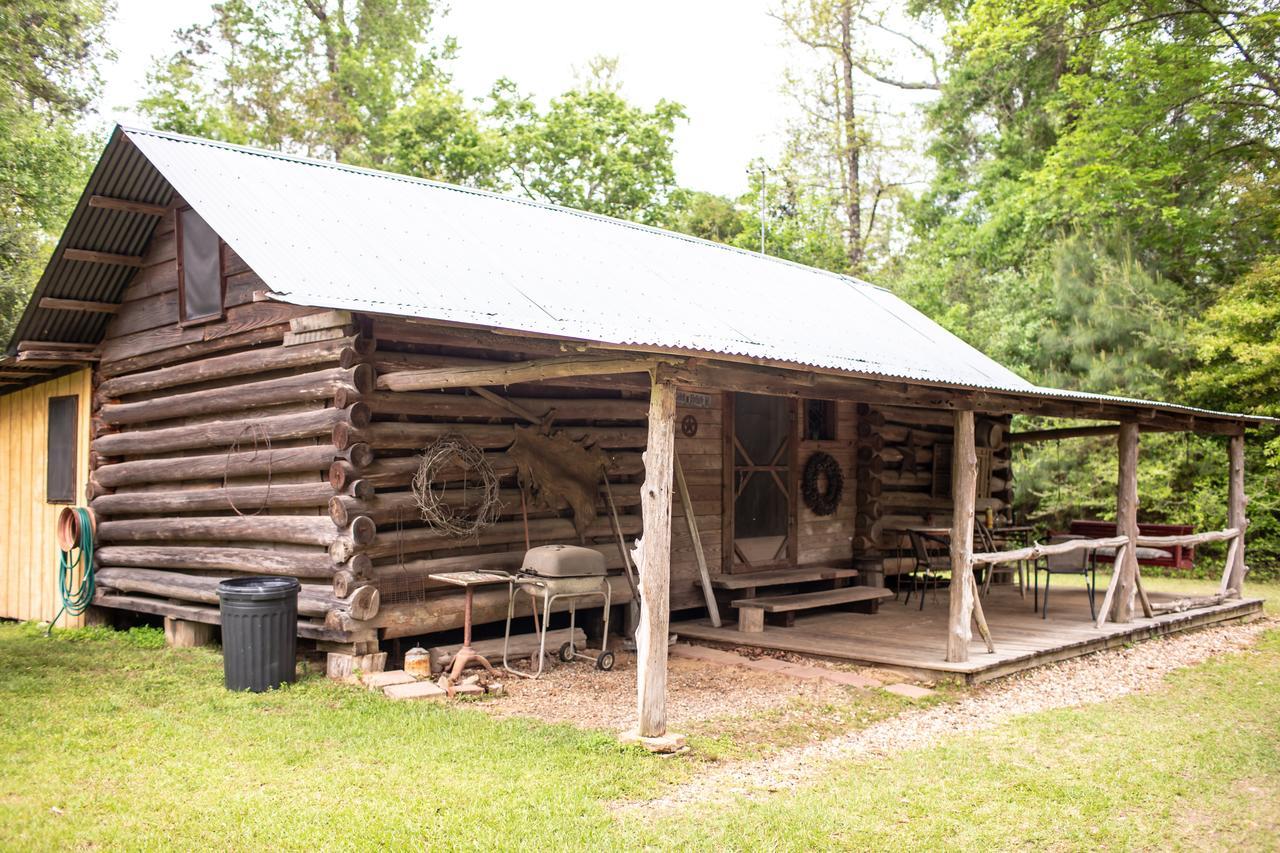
x=549, y=574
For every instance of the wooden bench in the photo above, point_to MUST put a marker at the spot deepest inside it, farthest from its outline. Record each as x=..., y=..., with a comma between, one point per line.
x=1174, y=557
x=751, y=610
x=746, y=583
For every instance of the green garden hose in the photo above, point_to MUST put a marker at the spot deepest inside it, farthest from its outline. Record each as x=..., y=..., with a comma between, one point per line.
x=75, y=551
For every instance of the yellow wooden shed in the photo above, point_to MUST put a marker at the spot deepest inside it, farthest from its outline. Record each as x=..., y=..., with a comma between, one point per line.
x=44, y=464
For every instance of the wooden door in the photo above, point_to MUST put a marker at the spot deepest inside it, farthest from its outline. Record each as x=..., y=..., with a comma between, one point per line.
x=760, y=489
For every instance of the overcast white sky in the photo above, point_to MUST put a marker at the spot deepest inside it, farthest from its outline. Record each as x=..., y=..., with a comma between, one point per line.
x=723, y=59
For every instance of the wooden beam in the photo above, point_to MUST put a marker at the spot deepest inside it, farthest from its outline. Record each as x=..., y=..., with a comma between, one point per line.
x=22, y=374
x=653, y=559
x=54, y=304
x=25, y=346
x=56, y=358
x=1236, y=503
x=708, y=594
x=964, y=479
x=516, y=372
x=105, y=202
x=1127, y=524
x=101, y=257
x=1064, y=432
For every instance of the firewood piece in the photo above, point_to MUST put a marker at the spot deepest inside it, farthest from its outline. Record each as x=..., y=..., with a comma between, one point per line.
x=511, y=374
x=317, y=385
x=50, y=303
x=126, y=206
x=292, y=529
x=248, y=499
x=412, y=436
x=313, y=599
x=449, y=406
x=218, y=465
x=110, y=258
x=417, y=540
x=300, y=563
x=345, y=352
x=319, y=422
x=398, y=471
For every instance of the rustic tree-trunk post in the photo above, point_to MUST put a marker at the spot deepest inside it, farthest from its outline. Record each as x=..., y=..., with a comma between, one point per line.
x=1236, y=501
x=964, y=479
x=653, y=560
x=1126, y=568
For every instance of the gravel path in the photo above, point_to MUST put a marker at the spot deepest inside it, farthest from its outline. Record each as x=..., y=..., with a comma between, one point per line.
x=1081, y=681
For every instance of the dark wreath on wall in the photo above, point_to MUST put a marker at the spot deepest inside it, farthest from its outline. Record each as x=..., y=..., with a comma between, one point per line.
x=822, y=485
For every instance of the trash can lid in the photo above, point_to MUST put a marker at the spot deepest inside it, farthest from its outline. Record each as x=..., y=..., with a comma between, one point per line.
x=258, y=588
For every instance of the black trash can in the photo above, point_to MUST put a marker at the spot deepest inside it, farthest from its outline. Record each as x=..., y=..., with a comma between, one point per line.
x=259, y=632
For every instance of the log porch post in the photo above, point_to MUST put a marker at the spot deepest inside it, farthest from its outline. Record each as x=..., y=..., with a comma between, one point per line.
x=1127, y=523
x=1236, y=501
x=653, y=560
x=964, y=479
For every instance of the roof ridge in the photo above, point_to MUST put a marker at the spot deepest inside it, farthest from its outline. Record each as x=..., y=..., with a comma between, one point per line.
x=442, y=185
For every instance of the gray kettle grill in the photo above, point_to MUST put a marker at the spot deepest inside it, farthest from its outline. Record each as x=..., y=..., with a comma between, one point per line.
x=553, y=572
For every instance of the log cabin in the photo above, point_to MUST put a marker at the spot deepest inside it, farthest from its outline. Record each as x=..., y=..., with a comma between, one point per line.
x=267, y=344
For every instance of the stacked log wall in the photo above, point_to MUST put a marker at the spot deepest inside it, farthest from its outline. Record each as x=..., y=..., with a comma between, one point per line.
x=212, y=445
x=896, y=451
x=606, y=412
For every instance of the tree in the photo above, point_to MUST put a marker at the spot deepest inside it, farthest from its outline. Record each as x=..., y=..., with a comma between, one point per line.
x=49, y=55
x=591, y=149
x=361, y=82
x=838, y=142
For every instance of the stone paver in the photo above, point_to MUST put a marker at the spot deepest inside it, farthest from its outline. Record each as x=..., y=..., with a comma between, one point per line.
x=415, y=690
x=379, y=680
x=911, y=691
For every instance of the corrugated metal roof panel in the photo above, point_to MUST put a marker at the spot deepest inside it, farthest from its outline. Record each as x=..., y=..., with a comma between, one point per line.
x=327, y=235
x=334, y=236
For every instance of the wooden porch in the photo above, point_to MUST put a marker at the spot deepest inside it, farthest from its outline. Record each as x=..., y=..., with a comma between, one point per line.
x=912, y=641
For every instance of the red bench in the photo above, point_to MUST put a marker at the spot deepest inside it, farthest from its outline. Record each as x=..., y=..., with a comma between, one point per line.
x=1171, y=556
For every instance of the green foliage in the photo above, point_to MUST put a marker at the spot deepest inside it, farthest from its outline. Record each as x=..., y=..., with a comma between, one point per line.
x=1105, y=174
x=590, y=149
x=49, y=53
x=800, y=221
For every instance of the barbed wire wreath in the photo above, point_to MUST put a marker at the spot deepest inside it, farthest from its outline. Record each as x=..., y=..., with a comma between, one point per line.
x=822, y=498
x=465, y=516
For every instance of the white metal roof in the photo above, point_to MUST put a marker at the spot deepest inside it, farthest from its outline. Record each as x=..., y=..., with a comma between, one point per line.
x=333, y=236
x=327, y=235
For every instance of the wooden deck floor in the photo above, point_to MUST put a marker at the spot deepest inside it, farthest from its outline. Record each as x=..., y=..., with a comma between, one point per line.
x=914, y=641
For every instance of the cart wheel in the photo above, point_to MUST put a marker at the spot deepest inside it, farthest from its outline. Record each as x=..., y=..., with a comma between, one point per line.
x=604, y=662
x=566, y=652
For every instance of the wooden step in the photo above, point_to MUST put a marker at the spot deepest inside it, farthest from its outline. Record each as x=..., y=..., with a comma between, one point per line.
x=810, y=600
x=781, y=577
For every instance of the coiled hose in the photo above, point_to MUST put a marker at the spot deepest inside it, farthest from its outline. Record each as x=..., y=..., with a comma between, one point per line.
x=76, y=530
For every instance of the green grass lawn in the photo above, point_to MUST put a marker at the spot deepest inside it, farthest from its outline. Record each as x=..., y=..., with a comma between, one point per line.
x=111, y=742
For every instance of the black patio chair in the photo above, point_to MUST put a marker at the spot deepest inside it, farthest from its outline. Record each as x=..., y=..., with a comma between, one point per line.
x=987, y=543
x=928, y=569
x=1083, y=563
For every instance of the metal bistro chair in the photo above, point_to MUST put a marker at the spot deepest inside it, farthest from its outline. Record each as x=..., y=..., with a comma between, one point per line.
x=987, y=543
x=1075, y=563
x=932, y=567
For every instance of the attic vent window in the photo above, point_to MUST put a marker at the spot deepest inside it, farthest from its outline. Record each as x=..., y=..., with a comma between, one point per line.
x=201, y=283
